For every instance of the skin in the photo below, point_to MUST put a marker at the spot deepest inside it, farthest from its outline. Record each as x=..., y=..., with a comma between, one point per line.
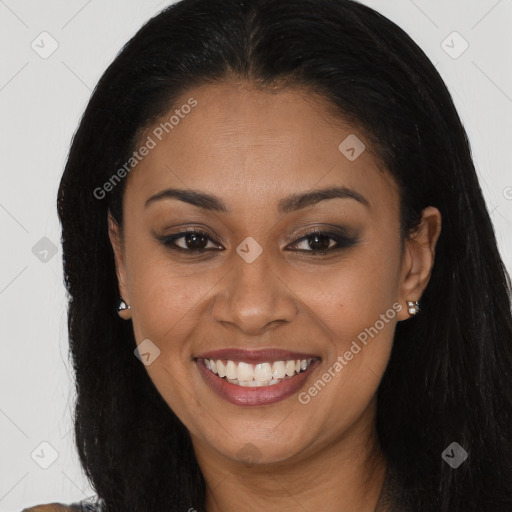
x=251, y=149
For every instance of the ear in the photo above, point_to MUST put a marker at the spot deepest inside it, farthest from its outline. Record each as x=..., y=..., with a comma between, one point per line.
x=116, y=240
x=418, y=260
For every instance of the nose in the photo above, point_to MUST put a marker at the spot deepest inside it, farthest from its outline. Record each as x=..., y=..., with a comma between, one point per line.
x=253, y=296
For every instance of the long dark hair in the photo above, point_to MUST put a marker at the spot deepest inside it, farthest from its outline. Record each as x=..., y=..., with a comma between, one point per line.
x=449, y=378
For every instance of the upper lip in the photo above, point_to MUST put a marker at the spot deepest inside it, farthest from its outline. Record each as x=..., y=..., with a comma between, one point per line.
x=255, y=356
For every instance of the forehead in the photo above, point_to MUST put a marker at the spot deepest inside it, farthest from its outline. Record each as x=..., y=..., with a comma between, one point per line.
x=254, y=146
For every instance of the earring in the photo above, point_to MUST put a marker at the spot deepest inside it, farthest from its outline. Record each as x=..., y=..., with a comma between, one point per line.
x=122, y=306
x=413, y=306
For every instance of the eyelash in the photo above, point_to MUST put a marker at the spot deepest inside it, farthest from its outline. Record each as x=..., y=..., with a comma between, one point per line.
x=342, y=242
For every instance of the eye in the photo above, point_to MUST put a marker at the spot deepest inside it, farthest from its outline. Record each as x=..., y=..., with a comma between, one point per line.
x=193, y=240
x=323, y=242
x=316, y=242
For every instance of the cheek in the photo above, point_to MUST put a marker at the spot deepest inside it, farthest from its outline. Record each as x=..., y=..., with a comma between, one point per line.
x=356, y=310
x=353, y=294
x=356, y=307
x=166, y=297
x=166, y=308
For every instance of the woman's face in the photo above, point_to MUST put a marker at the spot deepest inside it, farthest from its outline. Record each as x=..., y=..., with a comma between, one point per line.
x=261, y=290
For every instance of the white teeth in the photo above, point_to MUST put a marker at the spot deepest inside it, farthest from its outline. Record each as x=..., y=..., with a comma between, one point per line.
x=221, y=369
x=245, y=371
x=261, y=374
x=254, y=383
x=230, y=370
x=278, y=371
x=290, y=368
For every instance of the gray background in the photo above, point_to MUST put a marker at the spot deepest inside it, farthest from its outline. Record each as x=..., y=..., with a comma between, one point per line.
x=41, y=101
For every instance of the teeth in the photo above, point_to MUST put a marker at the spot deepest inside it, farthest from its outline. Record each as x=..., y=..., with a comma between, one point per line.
x=221, y=369
x=255, y=375
x=262, y=372
x=290, y=368
x=278, y=371
x=244, y=371
x=254, y=383
x=230, y=370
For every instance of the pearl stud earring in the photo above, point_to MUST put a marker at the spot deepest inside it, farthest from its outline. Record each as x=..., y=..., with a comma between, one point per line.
x=413, y=307
x=122, y=306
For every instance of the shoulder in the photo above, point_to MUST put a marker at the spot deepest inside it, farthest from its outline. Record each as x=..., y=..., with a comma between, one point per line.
x=53, y=507
x=91, y=504
x=59, y=507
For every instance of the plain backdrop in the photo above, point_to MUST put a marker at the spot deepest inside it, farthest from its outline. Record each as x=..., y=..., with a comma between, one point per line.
x=42, y=97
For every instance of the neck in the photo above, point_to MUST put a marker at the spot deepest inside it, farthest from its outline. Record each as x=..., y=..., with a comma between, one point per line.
x=347, y=474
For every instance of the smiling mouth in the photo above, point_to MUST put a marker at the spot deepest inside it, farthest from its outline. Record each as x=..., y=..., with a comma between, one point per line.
x=245, y=374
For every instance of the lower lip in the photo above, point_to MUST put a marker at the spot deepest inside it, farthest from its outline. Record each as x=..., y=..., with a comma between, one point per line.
x=263, y=395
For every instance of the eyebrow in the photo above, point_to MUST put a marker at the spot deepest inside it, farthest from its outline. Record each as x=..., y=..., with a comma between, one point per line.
x=289, y=204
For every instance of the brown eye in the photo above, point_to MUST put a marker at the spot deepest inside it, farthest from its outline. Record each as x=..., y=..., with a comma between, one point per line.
x=189, y=241
x=321, y=242
x=194, y=241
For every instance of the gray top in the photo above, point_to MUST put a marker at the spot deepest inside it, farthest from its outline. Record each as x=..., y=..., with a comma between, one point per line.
x=93, y=504
x=390, y=500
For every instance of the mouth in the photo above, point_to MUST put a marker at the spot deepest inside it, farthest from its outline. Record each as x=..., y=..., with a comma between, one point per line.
x=255, y=377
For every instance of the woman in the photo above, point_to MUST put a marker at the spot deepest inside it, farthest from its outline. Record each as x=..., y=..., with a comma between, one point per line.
x=285, y=289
